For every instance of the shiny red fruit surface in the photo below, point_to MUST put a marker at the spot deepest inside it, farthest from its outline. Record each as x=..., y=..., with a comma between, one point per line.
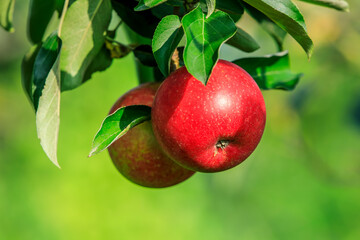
x=209, y=128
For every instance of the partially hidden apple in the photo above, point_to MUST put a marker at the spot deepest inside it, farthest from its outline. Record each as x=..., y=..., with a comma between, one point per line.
x=209, y=128
x=137, y=155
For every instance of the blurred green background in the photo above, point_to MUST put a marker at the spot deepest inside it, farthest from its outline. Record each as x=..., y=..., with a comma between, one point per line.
x=302, y=182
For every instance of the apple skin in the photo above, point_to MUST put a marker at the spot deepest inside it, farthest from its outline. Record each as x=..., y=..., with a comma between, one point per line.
x=137, y=155
x=209, y=128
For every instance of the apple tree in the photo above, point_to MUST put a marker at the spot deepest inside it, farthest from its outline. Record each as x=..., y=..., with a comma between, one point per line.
x=165, y=35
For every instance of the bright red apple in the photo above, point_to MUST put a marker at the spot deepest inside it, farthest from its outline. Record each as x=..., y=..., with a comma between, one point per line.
x=137, y=155
x=209, y=128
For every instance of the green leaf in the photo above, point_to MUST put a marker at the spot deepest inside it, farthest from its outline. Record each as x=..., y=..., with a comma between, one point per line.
x=271, y=71
x=211, y=4
x=166, y=9
x=6, y=14
x=243, y=41
x=59, y=5
x=144, y=55
x=118, y=124
x=167, y=36
x=147, y=4
x=83, y=35
x=46, y=95
x=340, y=5
x=143, y=23
x=100, y=63
x=230, y=6
x=27, y=67
x=40, y=13
x=177, y=3
x=276, y=32
x=204, y=36
x=287, y=16
x=45, y=61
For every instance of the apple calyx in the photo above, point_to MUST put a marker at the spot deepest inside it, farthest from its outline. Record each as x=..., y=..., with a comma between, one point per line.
x=222, y=144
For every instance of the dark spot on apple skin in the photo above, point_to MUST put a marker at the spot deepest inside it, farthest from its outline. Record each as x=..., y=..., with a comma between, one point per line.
x=223, y=143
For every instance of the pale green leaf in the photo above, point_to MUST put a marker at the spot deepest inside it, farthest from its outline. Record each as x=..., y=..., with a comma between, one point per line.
x=83, y=35
x=46, y=95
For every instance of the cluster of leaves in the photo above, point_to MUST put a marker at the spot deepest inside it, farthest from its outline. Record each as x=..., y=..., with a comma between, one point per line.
x=166, y=34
